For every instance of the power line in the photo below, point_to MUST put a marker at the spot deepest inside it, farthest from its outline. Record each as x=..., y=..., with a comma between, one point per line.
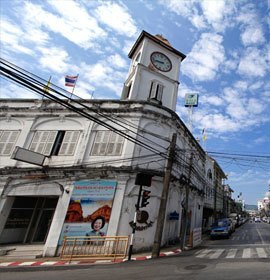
x=37, y=86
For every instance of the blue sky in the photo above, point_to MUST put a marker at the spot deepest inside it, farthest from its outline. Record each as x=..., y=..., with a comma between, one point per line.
x=227, y=64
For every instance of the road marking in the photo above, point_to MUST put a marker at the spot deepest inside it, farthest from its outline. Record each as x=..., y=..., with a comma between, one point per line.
x=246, y=253
x=5, y=264
x=260, y=235
x=217, y=254
x=26, y=263
x=231, y=254
x=203, y=253
x=261, y=253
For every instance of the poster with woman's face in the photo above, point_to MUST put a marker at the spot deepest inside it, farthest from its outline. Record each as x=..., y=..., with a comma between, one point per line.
x=89, y=209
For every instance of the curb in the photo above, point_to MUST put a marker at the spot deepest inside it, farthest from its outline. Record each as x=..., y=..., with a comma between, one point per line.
x=85, y=262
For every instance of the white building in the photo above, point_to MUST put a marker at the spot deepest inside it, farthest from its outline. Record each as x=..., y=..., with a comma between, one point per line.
x=82, y=153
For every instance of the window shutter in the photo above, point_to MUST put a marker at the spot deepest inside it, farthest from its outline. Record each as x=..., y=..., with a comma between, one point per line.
x=153, y=90
x=107, y=143
x=43, y=141
x=50, y=141
x=119, y=145
x=69, y=143
x=95, y=149
x=160, y=92
x=7, y=141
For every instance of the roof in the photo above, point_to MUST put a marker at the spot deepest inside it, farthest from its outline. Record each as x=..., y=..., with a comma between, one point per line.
x=159, y=39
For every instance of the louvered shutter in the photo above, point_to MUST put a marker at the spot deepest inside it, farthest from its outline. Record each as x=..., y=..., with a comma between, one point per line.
x=104, y=142
x=111, y=144
x=69, y=143
x=7, y=141
x=43, y=141
x=119, y=145
x=95, y=149
x=153, y=90
x=160, y=92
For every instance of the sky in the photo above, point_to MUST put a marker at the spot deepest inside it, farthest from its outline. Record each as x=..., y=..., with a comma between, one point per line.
x=227, y=63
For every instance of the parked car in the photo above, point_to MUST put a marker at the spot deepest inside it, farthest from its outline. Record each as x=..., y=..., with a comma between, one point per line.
x=221, y=228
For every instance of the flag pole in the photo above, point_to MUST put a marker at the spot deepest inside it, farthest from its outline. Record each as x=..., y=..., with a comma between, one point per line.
x=74, y=86
x=47, y=87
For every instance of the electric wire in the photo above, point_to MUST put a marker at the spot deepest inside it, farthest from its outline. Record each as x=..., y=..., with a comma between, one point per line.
x=28, y=83
x=109, y=117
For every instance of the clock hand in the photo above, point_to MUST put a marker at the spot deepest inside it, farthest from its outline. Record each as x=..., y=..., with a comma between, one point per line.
x=159, y=61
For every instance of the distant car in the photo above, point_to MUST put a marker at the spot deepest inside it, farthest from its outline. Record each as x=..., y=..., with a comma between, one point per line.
x=221, y=228
x=257, y=220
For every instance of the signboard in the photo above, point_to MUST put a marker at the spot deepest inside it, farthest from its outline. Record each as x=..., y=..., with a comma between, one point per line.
x=89, y=209
x=191, y=100
x=197, y=237
x=28, y=156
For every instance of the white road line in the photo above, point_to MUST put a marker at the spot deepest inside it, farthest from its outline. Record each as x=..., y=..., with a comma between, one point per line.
x=246, y=253
x=260, y=235
x=231, y=254
x=216, y=254
x=203, y=253
x=261, y=253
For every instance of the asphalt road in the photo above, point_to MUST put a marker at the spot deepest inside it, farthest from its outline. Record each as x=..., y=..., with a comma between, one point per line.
x=246, y=255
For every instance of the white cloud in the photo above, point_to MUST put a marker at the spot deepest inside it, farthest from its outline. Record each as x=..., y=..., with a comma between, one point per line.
x=117, y=61
x=13, y=37
x=100, y=72
x=200, y=13
x=252, y=32
x=214, y=100
x=252, y=35
x=72, y=21
x=198, y=21
x=253, y=63
x=237, y=110
x=254, y=106
x=219, y=123
x=205, y=58
x=54, y=59
x=262, y=139
x=116, y=16
x=183, y=8
x=243, y=85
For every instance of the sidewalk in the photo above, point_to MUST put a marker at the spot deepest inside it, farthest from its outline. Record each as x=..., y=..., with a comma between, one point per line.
x=56, y=261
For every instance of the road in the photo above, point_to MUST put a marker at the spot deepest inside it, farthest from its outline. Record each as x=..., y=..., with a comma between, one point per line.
x=246, y=255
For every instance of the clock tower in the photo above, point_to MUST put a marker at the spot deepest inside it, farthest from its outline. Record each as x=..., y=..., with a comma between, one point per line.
x=154, y=71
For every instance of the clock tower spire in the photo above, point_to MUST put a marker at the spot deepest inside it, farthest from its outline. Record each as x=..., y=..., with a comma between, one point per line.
x=154, y=71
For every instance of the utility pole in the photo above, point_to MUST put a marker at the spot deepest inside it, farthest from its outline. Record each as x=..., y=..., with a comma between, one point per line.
x=215, y=200
x=163, y=200
x=185, y=218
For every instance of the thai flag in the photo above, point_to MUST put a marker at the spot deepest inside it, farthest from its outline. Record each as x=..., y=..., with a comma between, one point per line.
x=70, y=81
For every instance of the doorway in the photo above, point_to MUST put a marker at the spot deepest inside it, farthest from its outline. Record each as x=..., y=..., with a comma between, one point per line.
x=29, y=220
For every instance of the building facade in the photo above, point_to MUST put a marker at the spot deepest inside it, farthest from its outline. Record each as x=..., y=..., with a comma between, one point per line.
x=92, y=160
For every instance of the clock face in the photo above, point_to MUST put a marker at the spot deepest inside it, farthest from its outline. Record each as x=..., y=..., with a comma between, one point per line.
x=161, y=61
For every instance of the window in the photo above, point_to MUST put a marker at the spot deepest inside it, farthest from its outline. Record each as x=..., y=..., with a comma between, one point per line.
x=107, y=143
x=8, y=139
x=55, y=142
x=209, y=174
x=156, y=91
